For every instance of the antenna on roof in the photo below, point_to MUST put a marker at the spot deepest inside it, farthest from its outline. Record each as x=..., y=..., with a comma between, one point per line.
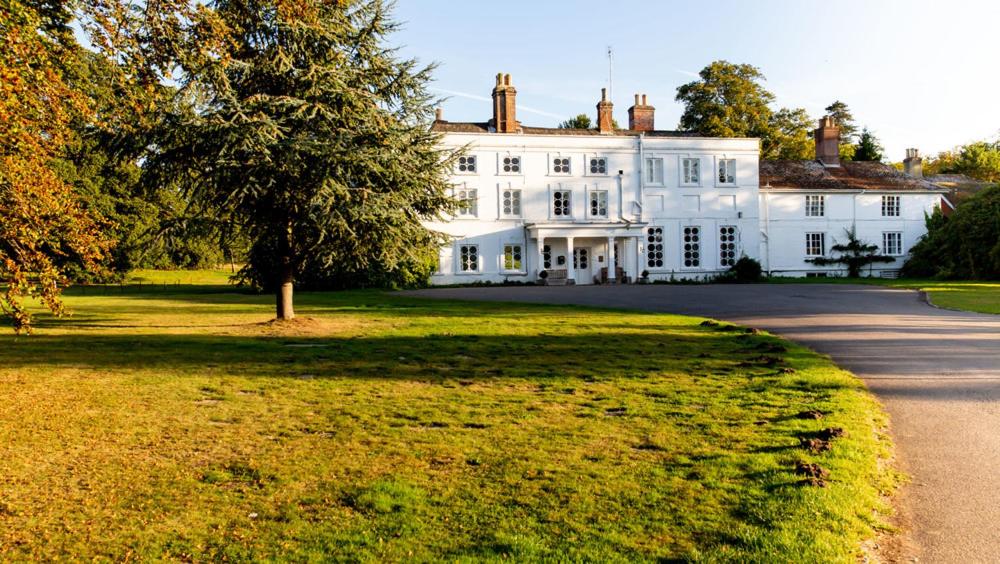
x=610, y=91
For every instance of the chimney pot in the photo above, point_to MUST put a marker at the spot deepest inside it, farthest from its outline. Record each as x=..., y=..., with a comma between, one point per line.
x=506, y=80
x=499, y=79
x=604, y=94
x=643, y=99
x=439, y=114
x=636, y=99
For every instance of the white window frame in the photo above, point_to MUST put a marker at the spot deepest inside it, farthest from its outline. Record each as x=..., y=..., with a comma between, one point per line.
x=467, y=172
x=460, y=261
x=607, y=203
x=520, y=203
x=607, y=165
x=503, y=257
x=474, y=209
x=821, y=198
x=648, y=169
x=568, y=196
x=561, y=157
x=899, y=241
x=682, y=170
x=500, y=164
x=898, y=207
x=700, y=249
x=822, y=243
x=721, y=161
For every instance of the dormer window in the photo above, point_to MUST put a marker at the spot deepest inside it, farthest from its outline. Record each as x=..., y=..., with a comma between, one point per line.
x=510, y=164
x=598, y=165
x=560, y=165
x=467, y=164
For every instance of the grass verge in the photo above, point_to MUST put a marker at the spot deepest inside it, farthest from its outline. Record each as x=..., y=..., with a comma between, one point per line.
x=186, y=426
x=968, y=295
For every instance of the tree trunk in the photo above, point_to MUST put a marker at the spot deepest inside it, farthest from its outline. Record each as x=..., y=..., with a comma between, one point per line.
x=285, y=309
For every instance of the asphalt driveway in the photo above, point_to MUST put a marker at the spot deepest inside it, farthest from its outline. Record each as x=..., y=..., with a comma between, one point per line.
x=936, y=371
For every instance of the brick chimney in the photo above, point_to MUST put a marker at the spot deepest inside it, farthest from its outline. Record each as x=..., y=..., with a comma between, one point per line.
x=605, y=120
x=504, y=106
x=913, y=164
x=827, y=137
x=640, y=116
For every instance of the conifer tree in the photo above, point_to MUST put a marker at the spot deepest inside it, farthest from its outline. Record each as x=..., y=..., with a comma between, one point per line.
x=308, y=132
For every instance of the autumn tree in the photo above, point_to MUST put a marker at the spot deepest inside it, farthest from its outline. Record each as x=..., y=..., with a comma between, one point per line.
x=309, y=134
x=730, y=100
x=44, y=228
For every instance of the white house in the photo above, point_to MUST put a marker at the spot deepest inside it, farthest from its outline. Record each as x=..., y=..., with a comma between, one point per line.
x=669, y=204
x=808, y=206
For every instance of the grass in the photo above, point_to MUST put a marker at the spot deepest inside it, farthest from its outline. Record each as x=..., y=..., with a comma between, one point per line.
x=185, y=426
x=967, y=295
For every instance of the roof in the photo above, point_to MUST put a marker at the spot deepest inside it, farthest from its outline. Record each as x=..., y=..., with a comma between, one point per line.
x=959, y=186
x=484, y=127
x=850, y=175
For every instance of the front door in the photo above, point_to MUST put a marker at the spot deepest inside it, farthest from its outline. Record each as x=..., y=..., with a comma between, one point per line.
x=581, y=266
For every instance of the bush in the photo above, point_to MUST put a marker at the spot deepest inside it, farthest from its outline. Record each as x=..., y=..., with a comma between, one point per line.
x=745, y=271
x=964, y=245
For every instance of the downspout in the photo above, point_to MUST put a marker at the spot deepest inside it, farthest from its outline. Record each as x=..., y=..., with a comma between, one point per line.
x=642, y=174
x=767, y=232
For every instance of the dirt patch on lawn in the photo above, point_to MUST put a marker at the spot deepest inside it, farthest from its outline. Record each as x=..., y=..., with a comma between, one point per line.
x=305, y=327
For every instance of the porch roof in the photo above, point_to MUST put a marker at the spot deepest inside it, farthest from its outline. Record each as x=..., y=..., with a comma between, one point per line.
x=560, y=229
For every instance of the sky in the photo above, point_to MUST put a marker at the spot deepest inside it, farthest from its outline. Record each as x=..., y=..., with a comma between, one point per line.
x=917, y=73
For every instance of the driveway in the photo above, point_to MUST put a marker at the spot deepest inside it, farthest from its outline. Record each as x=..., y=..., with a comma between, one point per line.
x=936, y=371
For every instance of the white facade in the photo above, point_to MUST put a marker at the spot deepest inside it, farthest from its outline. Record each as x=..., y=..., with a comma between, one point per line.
x=574, y=204
x=893, y=220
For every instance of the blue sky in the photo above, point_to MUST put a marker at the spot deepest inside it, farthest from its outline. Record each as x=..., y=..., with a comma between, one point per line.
x=918, y=73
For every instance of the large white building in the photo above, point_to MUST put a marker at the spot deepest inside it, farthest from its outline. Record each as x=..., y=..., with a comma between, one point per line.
x=667, y=204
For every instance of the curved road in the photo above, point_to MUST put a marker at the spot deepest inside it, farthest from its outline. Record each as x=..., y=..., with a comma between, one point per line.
x=936, y=371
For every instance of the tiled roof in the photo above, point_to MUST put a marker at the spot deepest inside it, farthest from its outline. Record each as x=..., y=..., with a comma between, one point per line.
x=483, y=127
x=812, y=175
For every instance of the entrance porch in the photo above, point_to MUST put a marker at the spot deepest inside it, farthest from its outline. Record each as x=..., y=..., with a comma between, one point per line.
x=587, y=253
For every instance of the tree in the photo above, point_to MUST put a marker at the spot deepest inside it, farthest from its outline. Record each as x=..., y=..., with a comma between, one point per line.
x=581, y=121
x=44, y=227
x=845, y=121
x=791, y=135
x=979, y=160
x=309, y=135
x=730, y=101
x=855, y=255
x=963, y=245
x=868, y=147
x=848, y=130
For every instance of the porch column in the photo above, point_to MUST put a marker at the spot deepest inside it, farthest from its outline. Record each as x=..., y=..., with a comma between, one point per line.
x=541, y=254
x=570, y=271
x=640, y=261
x=611, y=260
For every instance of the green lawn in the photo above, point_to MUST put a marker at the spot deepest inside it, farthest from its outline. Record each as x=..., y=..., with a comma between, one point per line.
x=981, y=296
x=184, y=426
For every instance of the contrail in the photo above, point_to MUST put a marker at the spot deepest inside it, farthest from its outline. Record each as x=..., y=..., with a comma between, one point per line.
x=521, y=107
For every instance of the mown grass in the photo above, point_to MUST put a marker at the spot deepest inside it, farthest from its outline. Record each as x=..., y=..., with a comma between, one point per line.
x=967, y=295
x=385, y=428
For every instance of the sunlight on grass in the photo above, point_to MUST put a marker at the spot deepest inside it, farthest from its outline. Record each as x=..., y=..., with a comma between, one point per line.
x=185, y=426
